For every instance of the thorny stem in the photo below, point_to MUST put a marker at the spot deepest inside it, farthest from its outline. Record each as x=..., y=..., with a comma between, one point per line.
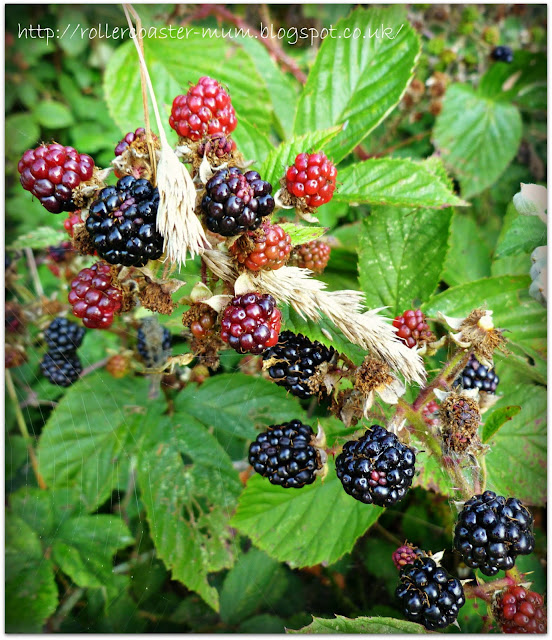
x=485, y=590
x=23, y=429
x=221, y=12
x=94, y=367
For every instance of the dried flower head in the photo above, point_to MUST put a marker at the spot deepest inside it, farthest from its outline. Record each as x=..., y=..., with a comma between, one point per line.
x=460, y=419
x=374, y=376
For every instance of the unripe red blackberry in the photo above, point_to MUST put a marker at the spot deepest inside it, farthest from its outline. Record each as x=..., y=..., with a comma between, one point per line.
x=205, y=110
x=217, y=144
x=492, y=531
x=71, y=221
x=312, y=177
x=118, y=366
x=285, y=455
x=51, y=172
x=406, y=554
x=94, y=298
x=204, y=324
x=429, y=595
x=377, y=468
x=313, y=255
x=235, y=202
x=518, y=610
x=251, y=323
x=477, y=376
x=122, y=223
x=268, y=248
x=430, y=413
x=294, y=362
x=61, y=369
x=413, y=329
x=63, y=336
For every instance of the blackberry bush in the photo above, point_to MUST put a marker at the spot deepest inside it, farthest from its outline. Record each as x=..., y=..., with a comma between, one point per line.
x=284, y=454
x=122, y=223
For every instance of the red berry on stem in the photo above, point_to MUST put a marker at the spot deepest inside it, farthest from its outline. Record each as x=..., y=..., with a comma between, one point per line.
x=312, y=176
x=413, y=328
x=251, y=323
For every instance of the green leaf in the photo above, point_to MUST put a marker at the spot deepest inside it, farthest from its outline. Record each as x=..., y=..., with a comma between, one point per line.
x=323, y=331
x=253, y=143
x=31, y=595
x=189, y=489
x=357, y=82
x=401, y=256
x=264, y=623
x=508, y=298
x=320, y=523
x=53, y=115
x=469, y=255
x=497, y=419
x=22, y=132
x=88, y=440
x=395, y=182
x=39, y=238
x=173, y=63
x=371, y=625
x=477, y=137
x=301, y=234
x=256, y=581
x=524, y=234
x=277, y=161
x=16, y=454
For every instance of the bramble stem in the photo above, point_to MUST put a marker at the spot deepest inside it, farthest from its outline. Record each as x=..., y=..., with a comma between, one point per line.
x=485, y=591
x=23, y=429
x=34, y=272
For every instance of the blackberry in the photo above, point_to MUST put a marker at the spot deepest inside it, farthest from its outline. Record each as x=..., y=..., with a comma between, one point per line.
x=235, y=202
x=502, y=54
x=61, y=369
x=94, y=298
x=14, y=320
x=268, y=248
x=429, y=595
x=63, y=336
x=118, y=365
x=204, y=323
x=377, y=468
x=405, y=555
x=313, y=255
x=124, y=144
x=295, y=361
x=518, y=610
x=284, y=454
x=412, y=328
x=205, y=110
x=73, y=220
x=154, y=343
x=477, y=376
x=51, y=172
x=312, y=177
x=251, y=323
x=218, y=145
x=122, y=223
x=492, y=531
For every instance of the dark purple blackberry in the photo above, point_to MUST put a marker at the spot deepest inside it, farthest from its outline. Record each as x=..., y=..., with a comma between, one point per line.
x=235, y=202
x=502, y=54
x=377, y=468
x=296, y=360
x=154, y=343
x=429, y=595
x=284, y=454
x=492, y=531
x=64, y=336
x=61, y=369
x=122, y=223
x=477, y=376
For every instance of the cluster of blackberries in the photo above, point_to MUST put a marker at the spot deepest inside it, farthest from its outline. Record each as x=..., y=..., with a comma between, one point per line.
x=295, y=360
x=61, y=365
x=429, y=595
x=376, y=469
x=492, y=531
x=477, y=376
x=122, y=223
x=285, y=455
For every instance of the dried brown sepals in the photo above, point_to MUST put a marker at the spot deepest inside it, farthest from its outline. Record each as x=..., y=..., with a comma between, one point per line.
x=82, y=241
x=478, y=330
x=154, y=298
x=460, y=419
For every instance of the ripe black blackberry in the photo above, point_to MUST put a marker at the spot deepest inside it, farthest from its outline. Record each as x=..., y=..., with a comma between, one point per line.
x=63, y=336
x=492, y=531
x=61, y=369
x=235, y=202
x=154, y=343
x=122, y=223
x=429, y=595
x=502, y=54
x=377, y=468
x=295, y=361
x=285, y=455
x=477, y=376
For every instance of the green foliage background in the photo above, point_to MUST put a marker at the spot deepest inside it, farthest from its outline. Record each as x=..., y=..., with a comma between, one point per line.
x=145, y=525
